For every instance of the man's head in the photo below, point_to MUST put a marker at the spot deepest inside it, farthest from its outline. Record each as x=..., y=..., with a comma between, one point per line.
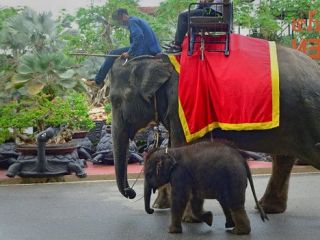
x=121, y=16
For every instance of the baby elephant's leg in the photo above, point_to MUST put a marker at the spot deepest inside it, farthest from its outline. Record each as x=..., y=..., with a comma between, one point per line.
x=227, y=214
x=179, y=201
x=197, y=210
x=241, y=220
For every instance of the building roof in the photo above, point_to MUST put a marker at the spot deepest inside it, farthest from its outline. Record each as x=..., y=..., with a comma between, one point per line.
x=148, y=10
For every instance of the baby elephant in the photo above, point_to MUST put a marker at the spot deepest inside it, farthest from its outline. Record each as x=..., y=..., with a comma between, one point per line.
x=204, y=170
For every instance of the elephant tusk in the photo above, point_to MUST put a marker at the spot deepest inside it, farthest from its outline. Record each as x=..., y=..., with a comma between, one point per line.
x=125, y=62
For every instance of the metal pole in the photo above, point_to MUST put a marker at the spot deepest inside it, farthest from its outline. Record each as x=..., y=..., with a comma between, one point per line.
x=94, y=55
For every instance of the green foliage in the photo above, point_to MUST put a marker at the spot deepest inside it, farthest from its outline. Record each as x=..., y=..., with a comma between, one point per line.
x=97, y=32
x=265, y=22
x=79, y=114
x=34, y=63
x=88, y=35
x=109, y=118
x=107, y=107
x=7, y=67
x=48, y=72
x=288, y=9
x=29, y=31
x=167, y=16
x=7, y=111
x=273, y=17
x=108, y=110
x=40, y=112
x=6, y=13
x=242, y=13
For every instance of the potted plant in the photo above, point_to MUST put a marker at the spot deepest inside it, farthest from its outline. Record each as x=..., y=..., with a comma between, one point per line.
x=62, y=115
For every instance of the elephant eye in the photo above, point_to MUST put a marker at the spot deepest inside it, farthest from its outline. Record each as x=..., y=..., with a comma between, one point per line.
x=115, y=100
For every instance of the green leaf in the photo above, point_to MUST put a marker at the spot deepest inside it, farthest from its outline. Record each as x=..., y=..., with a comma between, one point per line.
x=35, y=87
x=68, y=83
x=24, y=69
x=67, y=74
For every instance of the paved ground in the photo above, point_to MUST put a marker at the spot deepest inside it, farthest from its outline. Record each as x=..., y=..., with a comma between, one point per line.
x=96, y=211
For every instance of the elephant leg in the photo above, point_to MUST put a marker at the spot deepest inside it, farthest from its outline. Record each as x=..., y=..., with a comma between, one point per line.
x=163, y=199
x=275, y=197
x=179, y=202
x=241, y=220
x=197, y=210
x=227, y=214
x=188, y=215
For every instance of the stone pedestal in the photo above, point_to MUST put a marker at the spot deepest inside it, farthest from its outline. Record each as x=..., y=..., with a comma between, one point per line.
x=46, y=161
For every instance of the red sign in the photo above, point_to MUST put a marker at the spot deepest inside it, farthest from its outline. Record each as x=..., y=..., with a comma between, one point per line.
x=309, y=46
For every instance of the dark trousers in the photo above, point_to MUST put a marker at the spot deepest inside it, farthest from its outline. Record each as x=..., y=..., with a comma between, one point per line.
x=182, y=27
x=106, y=66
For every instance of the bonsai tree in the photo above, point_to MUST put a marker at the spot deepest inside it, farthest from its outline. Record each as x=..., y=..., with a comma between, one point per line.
x=67, y=114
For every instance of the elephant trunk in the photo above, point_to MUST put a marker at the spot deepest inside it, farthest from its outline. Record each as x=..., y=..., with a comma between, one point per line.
x=147, y=197
x=120, y=149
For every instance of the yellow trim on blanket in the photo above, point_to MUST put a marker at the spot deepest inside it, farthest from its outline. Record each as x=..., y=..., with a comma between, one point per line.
x=275, y=85
x=174, y=62
x=241, y=126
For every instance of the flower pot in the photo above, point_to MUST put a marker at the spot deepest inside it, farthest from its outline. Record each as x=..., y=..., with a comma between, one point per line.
x=79, y=134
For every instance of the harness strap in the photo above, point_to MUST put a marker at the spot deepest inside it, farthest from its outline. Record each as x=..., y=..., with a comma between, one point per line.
x=156, y=128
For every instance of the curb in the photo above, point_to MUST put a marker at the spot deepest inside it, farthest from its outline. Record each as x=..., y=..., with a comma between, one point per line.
x=98, y=177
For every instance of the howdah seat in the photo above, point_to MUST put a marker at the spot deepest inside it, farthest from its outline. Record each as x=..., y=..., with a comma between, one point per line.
x=218, y=24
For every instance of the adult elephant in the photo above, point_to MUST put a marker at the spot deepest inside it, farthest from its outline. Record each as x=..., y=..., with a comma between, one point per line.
x=146, y=88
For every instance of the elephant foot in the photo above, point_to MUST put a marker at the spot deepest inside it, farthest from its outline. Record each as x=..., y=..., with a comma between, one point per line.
x=175, y=229
x=273, y=205
x=229, y=224
x=161, y=204
x=242, y=222
x=275, y=198
x=191, y=219
x=207, y=217
x=163, y=199
x=238, y=231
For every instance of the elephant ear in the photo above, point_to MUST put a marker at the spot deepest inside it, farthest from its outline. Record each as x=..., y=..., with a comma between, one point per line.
x=166, y=164
x=149, y=75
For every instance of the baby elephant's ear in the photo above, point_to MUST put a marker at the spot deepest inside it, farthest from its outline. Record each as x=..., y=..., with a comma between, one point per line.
x=166, y=165
x=159, y=166
x=173, y=163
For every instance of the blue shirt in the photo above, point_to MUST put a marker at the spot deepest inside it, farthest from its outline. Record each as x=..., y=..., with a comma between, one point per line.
x=143, y=41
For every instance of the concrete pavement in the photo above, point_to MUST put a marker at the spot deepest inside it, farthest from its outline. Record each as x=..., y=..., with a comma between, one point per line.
x=96, y=211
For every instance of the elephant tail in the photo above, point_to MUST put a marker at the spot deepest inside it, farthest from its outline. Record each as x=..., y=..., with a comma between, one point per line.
x=263, y=215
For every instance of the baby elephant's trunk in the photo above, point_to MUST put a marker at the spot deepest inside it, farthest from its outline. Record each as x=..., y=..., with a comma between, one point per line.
x=147, y=196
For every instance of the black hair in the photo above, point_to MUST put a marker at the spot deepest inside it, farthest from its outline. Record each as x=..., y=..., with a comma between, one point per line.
x=119, y=12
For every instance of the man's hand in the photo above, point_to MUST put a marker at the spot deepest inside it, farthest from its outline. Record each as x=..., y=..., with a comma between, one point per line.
x=90, y=82
x=206, y=1
x=125, y=55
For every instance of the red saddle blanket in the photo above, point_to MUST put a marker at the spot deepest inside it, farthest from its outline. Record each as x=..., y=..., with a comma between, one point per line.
x=235, y=92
